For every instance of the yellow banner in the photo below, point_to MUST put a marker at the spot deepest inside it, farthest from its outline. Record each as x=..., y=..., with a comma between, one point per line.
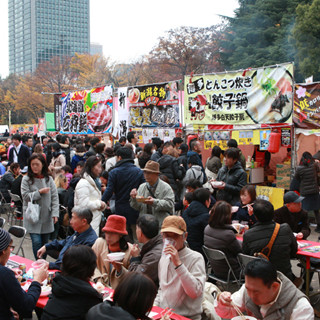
x=274, y=195
x=263, y=95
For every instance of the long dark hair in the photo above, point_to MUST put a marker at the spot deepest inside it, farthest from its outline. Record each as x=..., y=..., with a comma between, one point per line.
x=306, y=159
x=45, y=170
x=90, y=163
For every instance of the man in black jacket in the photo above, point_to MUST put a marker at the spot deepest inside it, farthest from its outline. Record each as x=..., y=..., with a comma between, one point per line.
x=293, y=214
x=285, y=245
x=19, y=152
x=232, y=176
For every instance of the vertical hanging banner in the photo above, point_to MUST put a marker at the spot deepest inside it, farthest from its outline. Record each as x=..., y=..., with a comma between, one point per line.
x=307, y=106
x=263, y=95
x=155, y=105
x=87, y=111
x=123, y=112
x=286, y=137
x=41, y=125
x=57, y=100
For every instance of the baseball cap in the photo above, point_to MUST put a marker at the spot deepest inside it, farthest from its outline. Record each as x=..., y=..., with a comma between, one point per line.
x=291, y=196
x=174, y=224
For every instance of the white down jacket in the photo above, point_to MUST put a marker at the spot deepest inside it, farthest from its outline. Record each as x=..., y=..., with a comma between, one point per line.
x=88, y=195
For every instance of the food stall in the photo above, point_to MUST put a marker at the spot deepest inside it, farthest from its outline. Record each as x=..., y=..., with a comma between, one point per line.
x=248, y=106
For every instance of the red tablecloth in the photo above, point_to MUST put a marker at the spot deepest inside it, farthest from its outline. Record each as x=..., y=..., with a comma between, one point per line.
x=43, y=300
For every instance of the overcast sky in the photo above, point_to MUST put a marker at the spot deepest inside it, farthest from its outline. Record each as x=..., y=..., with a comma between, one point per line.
x=128, y=29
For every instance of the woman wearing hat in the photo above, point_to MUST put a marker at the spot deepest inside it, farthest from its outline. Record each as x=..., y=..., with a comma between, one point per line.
x=12, y=296
x=113, y=241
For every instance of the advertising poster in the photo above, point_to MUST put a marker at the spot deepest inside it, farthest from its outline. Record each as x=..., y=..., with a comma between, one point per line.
x=57, y=98
x=24, y=128
x=307, y=106
x=87, y=111
x=155, y=105
x=216, y=138
x=264, y=139
x=263, y=95
x=123, y=112
x=286, y=137
x=274, y=195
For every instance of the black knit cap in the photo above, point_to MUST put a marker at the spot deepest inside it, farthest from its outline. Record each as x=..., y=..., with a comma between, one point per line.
x=5, y=239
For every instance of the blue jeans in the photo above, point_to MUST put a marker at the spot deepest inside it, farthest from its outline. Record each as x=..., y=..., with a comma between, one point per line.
x=38, y=240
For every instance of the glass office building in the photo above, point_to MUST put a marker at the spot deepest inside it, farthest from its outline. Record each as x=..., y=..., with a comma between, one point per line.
x=42, y=29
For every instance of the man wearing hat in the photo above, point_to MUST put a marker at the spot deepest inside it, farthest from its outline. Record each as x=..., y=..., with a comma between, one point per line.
x=12, y=296
x=182, y=272
x=155, y=196
x=293, y=214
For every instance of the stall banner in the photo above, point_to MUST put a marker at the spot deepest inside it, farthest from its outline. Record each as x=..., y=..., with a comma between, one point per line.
x=263, y=95
x=307, y=106
x=87, y=111
x=244, y=137
x=50, y=121
x=57, y=100
x=165, y=134
x=123, y=112
x=264, y=139
x=286, y=137
x=155, y=105
x=216, y=138
x=24, y=128
x=274, y=195
x=41, y=125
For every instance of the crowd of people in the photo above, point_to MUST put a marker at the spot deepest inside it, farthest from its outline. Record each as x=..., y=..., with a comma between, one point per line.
x=160, y=207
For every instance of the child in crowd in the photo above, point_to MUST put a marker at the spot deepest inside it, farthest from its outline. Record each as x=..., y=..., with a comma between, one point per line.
x=66, y=171
x=188, y=197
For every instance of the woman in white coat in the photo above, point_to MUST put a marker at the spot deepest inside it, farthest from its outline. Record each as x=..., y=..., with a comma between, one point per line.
x=88, y=190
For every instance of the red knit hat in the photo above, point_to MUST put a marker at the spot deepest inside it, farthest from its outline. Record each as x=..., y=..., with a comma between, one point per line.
x=116, y=224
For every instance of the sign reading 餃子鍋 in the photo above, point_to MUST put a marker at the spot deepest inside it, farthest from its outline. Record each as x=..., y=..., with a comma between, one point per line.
x=155, y=105
x=307, y=106
x=263, y=95
x=87, y=111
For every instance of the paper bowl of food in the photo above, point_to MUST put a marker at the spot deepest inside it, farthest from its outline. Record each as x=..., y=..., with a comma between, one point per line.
x=45, y=291
x=244, y=318
x=141, y=199
x=216, y=184
x=116, y=256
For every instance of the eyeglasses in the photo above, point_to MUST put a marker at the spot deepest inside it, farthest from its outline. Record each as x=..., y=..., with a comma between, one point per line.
x=11, y=248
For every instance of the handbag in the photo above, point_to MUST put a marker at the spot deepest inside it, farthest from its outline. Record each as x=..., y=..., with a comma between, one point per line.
x=33, y=211
x=266, y=251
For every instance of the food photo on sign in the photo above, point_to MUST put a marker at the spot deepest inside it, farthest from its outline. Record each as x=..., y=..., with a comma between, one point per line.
x=155, y=105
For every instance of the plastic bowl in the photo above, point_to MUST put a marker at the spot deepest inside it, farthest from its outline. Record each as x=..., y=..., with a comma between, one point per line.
x=116, y=256
x=245, y=317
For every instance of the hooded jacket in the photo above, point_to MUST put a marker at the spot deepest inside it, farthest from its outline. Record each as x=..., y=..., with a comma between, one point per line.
x=235, y=178
x=107, y=310
x=307, y=176
x=79, y=156
x=196, y=217
x=71, y=299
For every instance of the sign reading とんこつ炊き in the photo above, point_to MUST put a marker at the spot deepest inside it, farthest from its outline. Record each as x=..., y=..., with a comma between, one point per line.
x=155, y=105
x=86, y=111
x=263, y=95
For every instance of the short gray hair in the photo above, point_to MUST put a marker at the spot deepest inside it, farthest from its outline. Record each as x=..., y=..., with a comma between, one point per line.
x=83, y=213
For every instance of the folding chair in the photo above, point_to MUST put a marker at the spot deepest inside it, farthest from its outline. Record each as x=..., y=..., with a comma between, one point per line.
x=214, y=255
x=244, y=260
x=17, y=213
x=2, y=222
x=19, y=232
x=5, y=208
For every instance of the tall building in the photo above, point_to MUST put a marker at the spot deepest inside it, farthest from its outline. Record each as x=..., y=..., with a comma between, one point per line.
x=96, y=48
x=42, y=29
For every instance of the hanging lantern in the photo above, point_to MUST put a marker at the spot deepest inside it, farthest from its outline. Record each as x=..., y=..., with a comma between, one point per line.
x=274, y=141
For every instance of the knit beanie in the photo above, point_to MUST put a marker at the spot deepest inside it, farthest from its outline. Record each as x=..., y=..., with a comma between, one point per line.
x=5, y=239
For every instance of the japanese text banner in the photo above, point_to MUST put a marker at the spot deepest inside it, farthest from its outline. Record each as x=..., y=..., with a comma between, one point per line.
x=87, y=111
x=155, y=105
x=307, y=106
x=263, y=95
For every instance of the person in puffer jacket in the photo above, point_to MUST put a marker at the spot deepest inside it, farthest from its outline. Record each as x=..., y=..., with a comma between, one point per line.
x=233, y=176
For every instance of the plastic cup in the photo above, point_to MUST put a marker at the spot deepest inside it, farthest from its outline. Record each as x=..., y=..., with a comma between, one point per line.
x=167, y=241
x=38, y=264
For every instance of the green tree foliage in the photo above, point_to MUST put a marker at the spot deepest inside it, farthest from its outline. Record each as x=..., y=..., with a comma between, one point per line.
x=260, y=34
x=306, y=34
